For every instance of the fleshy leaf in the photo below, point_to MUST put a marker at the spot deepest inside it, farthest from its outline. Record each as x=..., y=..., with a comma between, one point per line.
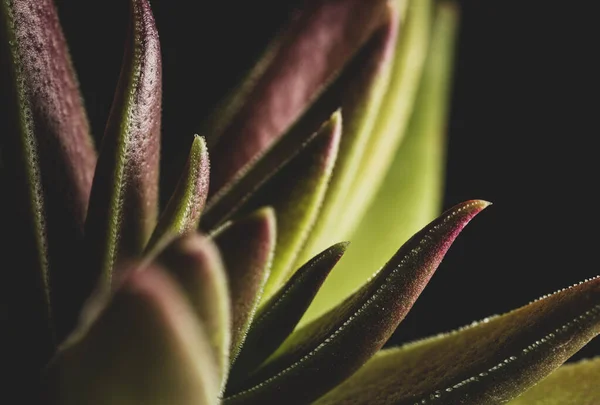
x=296, y=207
x=195, y=263
x=277, y=318
x=490, y=362
x=183, y=211
x=395, y=111
x=48, y=162
x=124, y=199
x=572, y=384
x=361, y=102
x=147, y=346
x=411, y=193
x=246, y=247
x=288, y=79
x=322, y=354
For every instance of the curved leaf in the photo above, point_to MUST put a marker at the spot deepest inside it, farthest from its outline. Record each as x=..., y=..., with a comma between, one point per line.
x=411, y=193
x=247, y=247
x=571, y=384
x=395, y=111
x=361, y=100
x=183, y=211
x=123, y=204
x=195, y=263
x=48, y=159
x=288, y=80
x=322, y=354
x=277, y=317
x=147, y=346
x=489, y=362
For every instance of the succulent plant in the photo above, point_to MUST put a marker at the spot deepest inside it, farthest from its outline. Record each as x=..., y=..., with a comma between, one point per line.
x=223, y=298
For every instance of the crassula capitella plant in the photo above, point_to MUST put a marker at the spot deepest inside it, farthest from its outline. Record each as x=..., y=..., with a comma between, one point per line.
x=222, y=298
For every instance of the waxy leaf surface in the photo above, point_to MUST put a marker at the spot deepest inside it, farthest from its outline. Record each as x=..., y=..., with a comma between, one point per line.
x=319, y=356
x=246, y=247
x=490, y=362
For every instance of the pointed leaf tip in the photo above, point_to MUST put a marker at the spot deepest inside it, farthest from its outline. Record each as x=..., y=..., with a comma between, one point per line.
x=315, y=358
x=183, y=210
x=124, y=199
x=277, y=317
x=487, y=362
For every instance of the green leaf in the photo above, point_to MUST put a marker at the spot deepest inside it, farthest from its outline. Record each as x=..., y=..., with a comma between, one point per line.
x=48, y=162
x=247, y=247
x=183, y=211
x=490, y=362
x=571, y=384
x=123, y=205
x=277, y=318
x=195, y=263
x=319, y=356
x=394, y=114
x=287, y=80
x=361, y=100
x=146, y=347
x=411, y=193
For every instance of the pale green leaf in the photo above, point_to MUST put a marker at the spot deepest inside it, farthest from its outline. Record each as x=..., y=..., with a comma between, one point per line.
x=572, y=384
x=183, y=211
x=411, y=193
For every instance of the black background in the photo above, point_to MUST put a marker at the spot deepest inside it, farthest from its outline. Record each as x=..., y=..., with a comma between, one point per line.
x=521, y=133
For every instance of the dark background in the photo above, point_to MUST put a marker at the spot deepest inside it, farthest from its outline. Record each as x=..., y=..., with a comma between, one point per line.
x=521, y=134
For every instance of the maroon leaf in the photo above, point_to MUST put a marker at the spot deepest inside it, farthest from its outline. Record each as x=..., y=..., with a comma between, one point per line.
x=247, y=249
x=48, y=161
x=319, y=41
x=124, y=202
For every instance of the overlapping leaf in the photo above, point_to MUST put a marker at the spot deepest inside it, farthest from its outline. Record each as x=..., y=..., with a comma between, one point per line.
x=277, y=318
x=146, y=346
x=247, y=247
x=288, y=80
x=196, y=265
x=361, y=100
x=123, y=204
x=571, y=384
x=411, y=193
x=48, y=161
x=322, y=354
x=490, y=362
